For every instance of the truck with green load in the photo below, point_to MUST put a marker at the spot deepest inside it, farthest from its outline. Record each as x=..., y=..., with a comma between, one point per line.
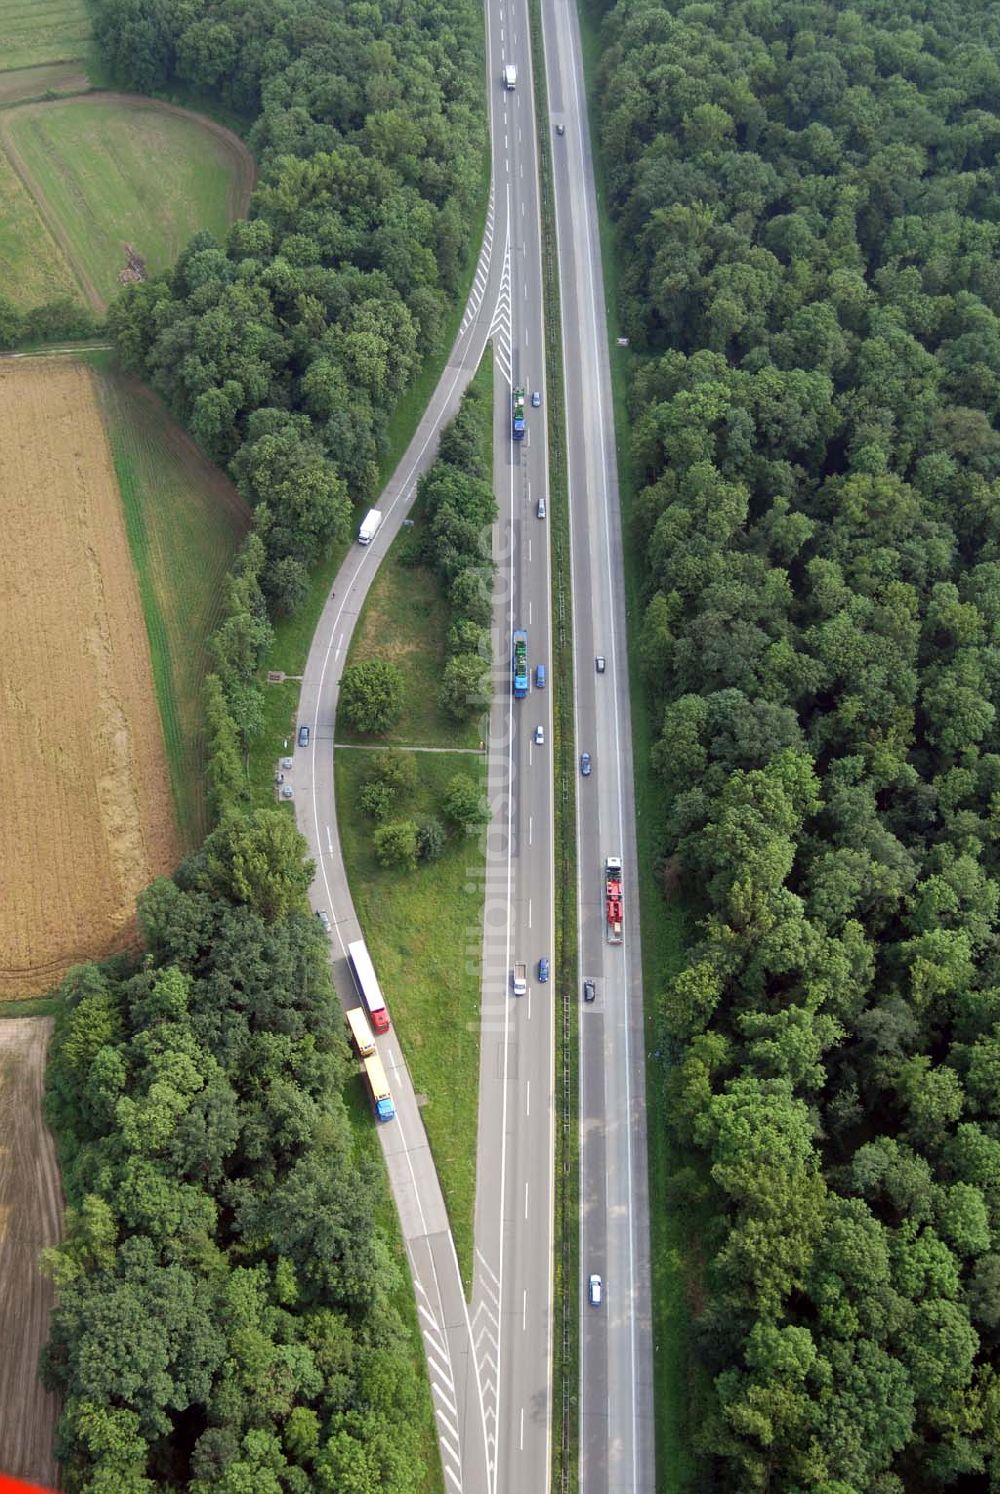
x=520, y=664
x=517, y=413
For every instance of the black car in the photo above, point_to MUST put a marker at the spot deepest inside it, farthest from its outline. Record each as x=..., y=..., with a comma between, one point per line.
x=589, y=992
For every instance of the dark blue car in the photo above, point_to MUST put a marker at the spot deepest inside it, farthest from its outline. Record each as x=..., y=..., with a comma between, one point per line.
x=543, y=970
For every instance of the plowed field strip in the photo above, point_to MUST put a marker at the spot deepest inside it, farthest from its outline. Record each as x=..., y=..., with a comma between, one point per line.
x=30, y=1218
x=62, y=241
x=34, y=82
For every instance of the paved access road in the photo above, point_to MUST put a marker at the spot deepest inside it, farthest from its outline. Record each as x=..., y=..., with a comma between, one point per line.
x=441, y=1307
x=616, y=1403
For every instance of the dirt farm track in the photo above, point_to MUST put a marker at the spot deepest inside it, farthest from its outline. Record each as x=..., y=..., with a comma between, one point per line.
x=86, y=816
x=30, y=1217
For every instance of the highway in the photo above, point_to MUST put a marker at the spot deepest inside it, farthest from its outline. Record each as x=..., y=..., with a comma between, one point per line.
x=512, y=1288
x=616, y=1402
x=490, y=1361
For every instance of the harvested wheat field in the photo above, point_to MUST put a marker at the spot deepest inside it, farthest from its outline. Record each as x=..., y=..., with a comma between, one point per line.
x=30, y=1217
x=86, y=816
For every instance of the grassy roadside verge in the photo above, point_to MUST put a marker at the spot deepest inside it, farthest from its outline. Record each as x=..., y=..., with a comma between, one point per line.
x=184, y=521
x=566, y=1266
x=288, y=654
x=664, y=930
x=406, y=620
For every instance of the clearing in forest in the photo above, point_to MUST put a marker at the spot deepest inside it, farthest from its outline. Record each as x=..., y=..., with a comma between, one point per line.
x=86, y=815
x=42, y=31
x=185, y=522
x=30, y=1218
x=109, y=171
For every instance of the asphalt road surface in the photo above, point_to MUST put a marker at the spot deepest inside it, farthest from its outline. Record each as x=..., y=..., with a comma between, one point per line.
x=616, y=1402
x=512, y=1289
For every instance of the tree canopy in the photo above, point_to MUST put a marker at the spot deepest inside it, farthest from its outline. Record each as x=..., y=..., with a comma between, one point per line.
x=805, y=201
x=220, y=1223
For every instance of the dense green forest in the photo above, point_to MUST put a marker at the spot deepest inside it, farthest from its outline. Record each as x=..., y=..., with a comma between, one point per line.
x=285, y=349
x=806, y=199
x=224, y=1318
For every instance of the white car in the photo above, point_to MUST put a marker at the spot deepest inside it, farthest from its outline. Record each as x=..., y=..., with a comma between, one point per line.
x=324, y=919
x=595, y=1290
x=541, y=508
x=287, y=792
x=539, y=736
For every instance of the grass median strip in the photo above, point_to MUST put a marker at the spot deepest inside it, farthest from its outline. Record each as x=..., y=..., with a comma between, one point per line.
x=566, y=1266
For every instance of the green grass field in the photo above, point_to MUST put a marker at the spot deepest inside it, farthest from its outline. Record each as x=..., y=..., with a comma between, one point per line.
x=38, y=31
x=406, y=620
x=105, y=173
x=32, y=268
x=424, y=930
x=184, y=522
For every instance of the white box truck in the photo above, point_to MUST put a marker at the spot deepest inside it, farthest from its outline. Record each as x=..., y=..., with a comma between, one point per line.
x=510, y=76
x=370, y=525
